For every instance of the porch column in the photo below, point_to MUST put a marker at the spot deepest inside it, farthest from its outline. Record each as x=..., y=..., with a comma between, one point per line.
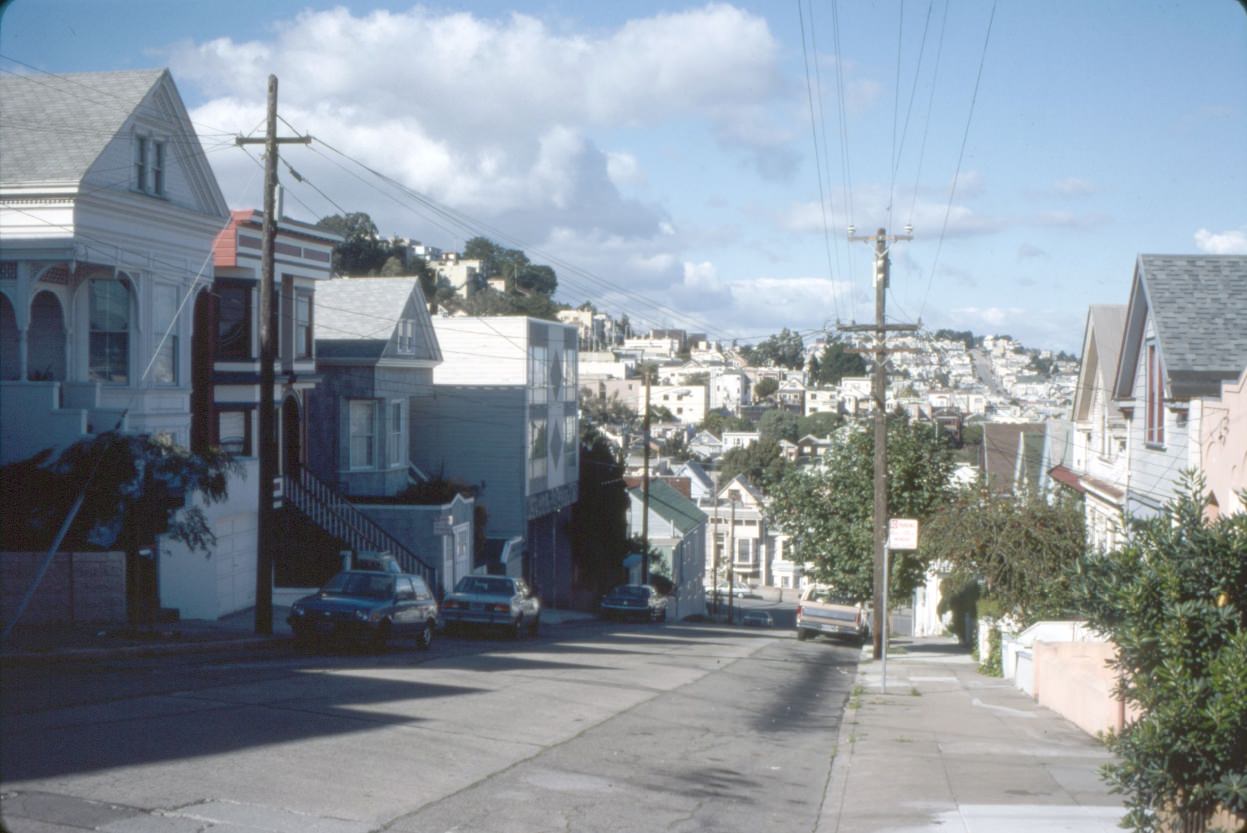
x=22, y=350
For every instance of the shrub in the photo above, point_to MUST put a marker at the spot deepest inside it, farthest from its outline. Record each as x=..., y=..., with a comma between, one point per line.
x=1174, y=601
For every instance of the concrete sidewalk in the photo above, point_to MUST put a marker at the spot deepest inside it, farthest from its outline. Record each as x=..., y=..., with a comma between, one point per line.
x=237, y=631
x=949, y=749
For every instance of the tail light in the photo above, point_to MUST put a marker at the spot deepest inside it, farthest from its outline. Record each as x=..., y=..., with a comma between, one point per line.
x=452, y=604
x=799, y=611
x=500, y=608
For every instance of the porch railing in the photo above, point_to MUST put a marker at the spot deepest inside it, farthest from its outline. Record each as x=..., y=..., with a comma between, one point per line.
x=339, y=517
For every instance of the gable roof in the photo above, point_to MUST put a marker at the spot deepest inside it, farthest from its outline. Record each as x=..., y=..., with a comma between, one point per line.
x=670, y=505
x=694, y=471
x=1198, y=307
x=55, y=126
x=357, y=317
x=999, y=452
x=1100, y=351
x=742, y=484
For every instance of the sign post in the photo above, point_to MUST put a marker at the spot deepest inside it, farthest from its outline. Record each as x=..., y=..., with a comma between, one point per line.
x=902, y=535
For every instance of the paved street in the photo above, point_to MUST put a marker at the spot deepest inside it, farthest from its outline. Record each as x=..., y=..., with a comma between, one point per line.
x=589, y=727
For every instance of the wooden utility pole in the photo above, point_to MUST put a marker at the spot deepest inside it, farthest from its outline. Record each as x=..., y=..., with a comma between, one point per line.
x=715, y=544
x=731, y=565
x=645, y=484
x=267, y=442
x=879, y=392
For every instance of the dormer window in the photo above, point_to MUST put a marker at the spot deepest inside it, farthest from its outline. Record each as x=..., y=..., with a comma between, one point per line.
x=1155, y=428
x=149, y=165
x=407, y=336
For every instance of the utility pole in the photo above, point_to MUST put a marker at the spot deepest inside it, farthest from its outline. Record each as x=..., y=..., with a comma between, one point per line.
x=879, y=392
x=267, y=442
x=715, y=544
x=731, y=565
x=645, y=484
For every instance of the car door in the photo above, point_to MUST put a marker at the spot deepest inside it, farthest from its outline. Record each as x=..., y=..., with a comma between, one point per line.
x=404, y=604
x=425, y=604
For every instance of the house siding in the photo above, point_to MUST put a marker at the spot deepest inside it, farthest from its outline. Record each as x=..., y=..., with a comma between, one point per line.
x=1155, y=471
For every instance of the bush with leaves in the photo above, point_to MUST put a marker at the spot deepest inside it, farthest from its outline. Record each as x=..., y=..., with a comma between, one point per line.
x=1174, y=602
x=1020, y=549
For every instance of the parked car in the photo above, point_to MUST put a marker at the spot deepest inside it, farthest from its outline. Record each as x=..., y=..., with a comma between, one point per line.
x=635, y=601
x=827, y=611
x=739, y=591
x=757, y=619
x=493, y=602
x=367, y=605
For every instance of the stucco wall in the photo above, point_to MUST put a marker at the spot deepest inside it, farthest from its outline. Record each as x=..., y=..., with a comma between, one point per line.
x=78, y=587
x=1074, y=680
x=1224, y=448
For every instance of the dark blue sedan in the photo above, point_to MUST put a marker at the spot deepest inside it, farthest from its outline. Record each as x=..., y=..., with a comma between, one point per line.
x=369, y=606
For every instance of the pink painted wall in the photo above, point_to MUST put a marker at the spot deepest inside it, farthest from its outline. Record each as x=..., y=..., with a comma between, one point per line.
x=1074, y=680
x=1223, y=446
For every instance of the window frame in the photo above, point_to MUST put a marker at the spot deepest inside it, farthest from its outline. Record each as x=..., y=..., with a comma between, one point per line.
x=150, y=168
x=304, y=342
x=246, y=351
x=167, y=353
x=395, y=445
x=104, y=371
x=1154, y=391
x=245, y=448
x=353, y=464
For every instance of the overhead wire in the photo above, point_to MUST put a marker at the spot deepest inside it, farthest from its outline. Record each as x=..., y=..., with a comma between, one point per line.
x=952, y=191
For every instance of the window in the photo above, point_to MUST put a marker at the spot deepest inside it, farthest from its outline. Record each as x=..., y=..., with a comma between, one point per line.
x=165, y=329
x=569, y=378
x=363, y=427
x=303, y=325
x=233, y=432
x=538, y=373
x=407, y=336
x=234, y=321
x=396, y=450
x=571, y=438
x=149, y=165
x=109, y=359
x=1155, y=397
x=538, y=448
x=744, y=550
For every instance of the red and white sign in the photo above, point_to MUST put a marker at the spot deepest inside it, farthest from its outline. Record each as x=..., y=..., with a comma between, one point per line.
x=902, y=534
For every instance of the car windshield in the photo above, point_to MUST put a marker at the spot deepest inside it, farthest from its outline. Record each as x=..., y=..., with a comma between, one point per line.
x=485, y=585
x=631, y=590
x=831, y=597
x=369, y=585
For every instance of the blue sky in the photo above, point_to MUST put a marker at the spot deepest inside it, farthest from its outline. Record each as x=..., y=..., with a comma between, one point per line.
x=665, y=150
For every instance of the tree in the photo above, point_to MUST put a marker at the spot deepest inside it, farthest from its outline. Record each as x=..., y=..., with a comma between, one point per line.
x=835, y=363
x=716, y=422
x=829, y=512
x=784, y=349
x=820, y=424
x=765, y=388
x=135, y=487
x=1020, y=550
x=762, y=463
x=361, y=251
x=599, y=525
x=537, y=279
x=1174, y=602
x=779, y=425
x=597, y=411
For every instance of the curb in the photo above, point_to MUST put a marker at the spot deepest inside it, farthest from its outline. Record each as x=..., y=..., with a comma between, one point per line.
x=73, y=655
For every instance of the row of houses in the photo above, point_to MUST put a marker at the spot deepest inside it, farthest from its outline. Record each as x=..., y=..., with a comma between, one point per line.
x=129, y=300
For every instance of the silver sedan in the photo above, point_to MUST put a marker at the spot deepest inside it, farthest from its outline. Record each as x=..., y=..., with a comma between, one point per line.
x=492, y=602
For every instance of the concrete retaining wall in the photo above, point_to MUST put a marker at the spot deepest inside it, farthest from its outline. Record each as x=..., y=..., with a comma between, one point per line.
x=1074, y=680
x=78, y=587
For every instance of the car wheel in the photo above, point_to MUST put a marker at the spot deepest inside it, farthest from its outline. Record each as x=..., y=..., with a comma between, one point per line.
x=803, y=634
x=302, y=639
x=533, y=625
x=517, y=627
x=424, y=639
x=663, y=616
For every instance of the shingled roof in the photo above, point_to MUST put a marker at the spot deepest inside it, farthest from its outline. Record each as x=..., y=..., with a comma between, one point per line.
x=52, y=127
x=1198, y=305
x=356, y=318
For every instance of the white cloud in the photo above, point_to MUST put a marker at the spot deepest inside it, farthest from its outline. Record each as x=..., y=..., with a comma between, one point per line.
x=1072, y=186
x=1232, y=242
x=991, y=316
x=624, y=169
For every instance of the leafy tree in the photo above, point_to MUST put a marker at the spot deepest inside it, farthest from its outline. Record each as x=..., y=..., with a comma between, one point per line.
x=765, y=388
x=819, y=424
x=538, y=279
x=716, y=422
x=660, y=413
x=834, y=363
x=1174, y=602
x=597, y=411
x=1019, y=550
x=599, y=525
x=829, y=512
x=361, y=252
x=779, y=425
x=784, y=349
x=135, y=486
x=762, y=464
x=964, y=336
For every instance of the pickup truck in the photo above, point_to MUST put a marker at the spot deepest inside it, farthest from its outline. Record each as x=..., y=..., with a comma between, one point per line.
x=823, y=610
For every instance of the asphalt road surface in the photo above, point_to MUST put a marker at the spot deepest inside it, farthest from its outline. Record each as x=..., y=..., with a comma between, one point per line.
x=589, y=727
